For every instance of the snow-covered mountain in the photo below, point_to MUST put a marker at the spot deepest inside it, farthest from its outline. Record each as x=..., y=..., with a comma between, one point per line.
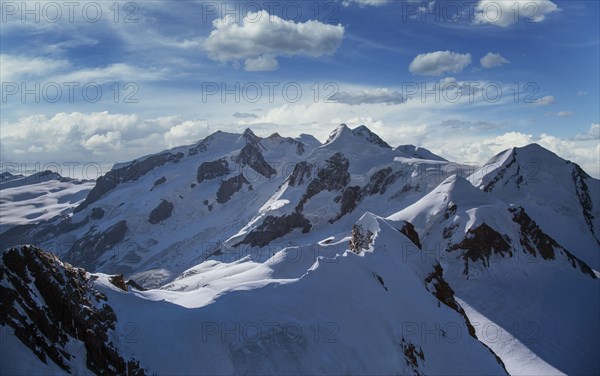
x=273, y=255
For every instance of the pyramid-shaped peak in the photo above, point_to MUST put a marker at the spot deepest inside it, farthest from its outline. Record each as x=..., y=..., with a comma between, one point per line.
x=362, y=132
x=250, y=137
x=367, y=134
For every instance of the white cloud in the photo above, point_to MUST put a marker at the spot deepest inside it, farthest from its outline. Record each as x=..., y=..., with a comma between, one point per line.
x=102, y=143
x=362, y=3
x=564, y=113
x=548, y=99
x=376, y=96
x=492, y=60
x=261, y=64
x=439, y=62
x=259, y=38
x=186, y=133
x=505, y=13
x=16, y=68
x=89, y=136
x=593, y=134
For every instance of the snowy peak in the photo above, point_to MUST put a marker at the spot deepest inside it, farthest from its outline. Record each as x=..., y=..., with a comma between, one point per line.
x=344, y=135
x=250, y=137
x=11, y=181
x=411, y=151
x=364, y=132
x=557, y=193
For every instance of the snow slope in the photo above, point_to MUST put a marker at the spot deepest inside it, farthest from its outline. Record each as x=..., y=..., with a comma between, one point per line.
x=39, y=197
x=538, y=311
x=557, y=194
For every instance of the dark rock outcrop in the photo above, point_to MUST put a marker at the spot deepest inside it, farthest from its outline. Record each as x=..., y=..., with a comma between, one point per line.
x=48, y=304
x=408, y=229
x=212, y=170
x=534, y=241
x=480, y=243
x=301, y=174
x=97, y=213
x=275, y=227
x=159, y=182
x=333, y=177
x=585, y=200
x=361, y=240
x=162, y=212
x=251, y=156
x=118, y=281
x=229, y=187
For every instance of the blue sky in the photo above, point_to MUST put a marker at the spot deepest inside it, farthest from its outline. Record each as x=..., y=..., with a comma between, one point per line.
x=161, y=65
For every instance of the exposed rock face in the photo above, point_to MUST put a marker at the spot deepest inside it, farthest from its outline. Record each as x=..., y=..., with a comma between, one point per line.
x=333, y=177
x=229, y=187
x=480, y=243
x=579, y=179
x=378, y=184
x=440, y=288
x=409, y=231
x=251, y=156
x=212, y=170
x=163, y=211
x=118, y=281
x=361, y=240
x=159, y=182
x=348, y=201
x=437, y=285
x=533, y=238
x=97, y=213
x=301, y=174
x=276, y=227
x=130, y=172
x=92, y=245
x=414, y=358
x=48, y=304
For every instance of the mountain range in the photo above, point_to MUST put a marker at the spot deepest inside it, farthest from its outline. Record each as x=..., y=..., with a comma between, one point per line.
x=242, y=254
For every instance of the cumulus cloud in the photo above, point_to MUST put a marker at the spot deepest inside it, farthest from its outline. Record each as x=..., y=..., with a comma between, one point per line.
x=97, y=135
x=439, y=62
x=261, y=64
x=259, y=38
x=100, y=144
x=376, y=96
x=492, y=60
x=543, y=101
x=186, y=133
x=593, y=134
x=506, y=13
